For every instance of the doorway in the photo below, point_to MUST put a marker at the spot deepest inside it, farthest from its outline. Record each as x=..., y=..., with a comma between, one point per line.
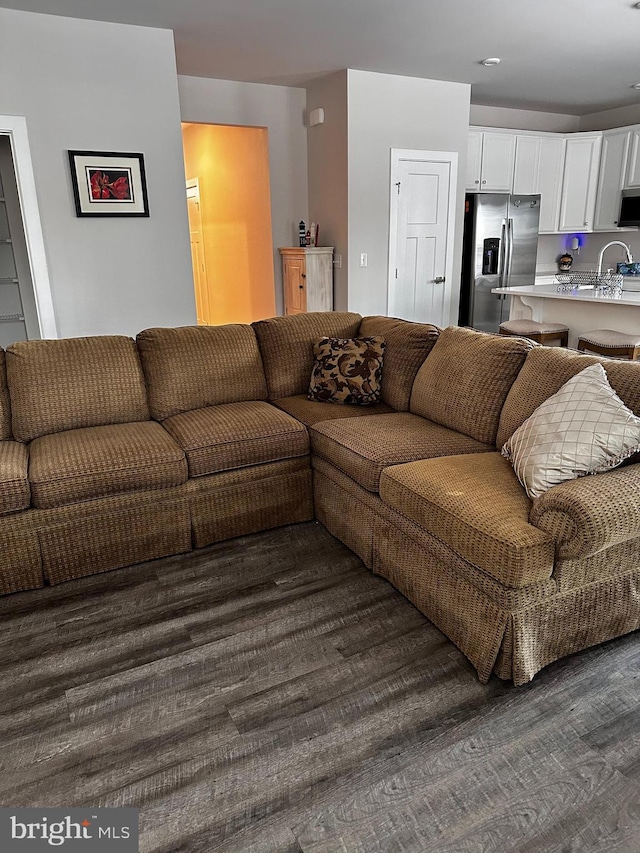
x=422, y=220
x=229, y=205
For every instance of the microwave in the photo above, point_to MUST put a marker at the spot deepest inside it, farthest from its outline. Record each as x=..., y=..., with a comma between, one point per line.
x=629, y=209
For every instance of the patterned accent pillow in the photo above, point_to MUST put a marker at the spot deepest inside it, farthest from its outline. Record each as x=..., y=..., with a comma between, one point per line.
x=584, y=428
x=347, y=370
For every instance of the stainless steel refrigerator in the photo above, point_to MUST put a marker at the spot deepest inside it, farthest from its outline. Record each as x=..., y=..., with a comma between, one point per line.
x=499, y=250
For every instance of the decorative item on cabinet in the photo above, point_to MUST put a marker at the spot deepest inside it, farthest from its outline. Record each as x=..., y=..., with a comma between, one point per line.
x=307, y=277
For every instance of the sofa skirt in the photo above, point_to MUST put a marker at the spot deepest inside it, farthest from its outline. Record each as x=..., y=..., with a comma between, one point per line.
x=20, y=562
x=248, y=500
x=96, y=536
x=512, y=633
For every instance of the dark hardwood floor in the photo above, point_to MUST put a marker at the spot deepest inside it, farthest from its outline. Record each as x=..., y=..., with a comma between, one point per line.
x=271, y=694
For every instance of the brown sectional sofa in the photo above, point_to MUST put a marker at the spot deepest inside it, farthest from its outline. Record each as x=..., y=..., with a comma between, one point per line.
x=114, y=451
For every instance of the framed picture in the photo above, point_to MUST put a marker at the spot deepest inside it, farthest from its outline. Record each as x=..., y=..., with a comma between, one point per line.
x=106, y=183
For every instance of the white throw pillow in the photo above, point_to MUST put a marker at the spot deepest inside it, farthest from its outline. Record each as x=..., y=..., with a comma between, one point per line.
x=584, y=428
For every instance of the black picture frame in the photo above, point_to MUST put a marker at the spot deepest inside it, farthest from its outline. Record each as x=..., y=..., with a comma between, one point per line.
x=108, y=183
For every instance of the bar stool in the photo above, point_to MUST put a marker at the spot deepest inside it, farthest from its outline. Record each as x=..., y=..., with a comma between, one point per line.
x=542, y=333
x=610, y=343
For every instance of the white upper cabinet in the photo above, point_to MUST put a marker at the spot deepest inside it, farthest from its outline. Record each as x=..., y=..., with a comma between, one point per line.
x=581, y=161
x=527, y=165
x=633, y=171
x=474, y=161
x=490, y=160
x=550, y=171
x=498, y=155
x=613, y=169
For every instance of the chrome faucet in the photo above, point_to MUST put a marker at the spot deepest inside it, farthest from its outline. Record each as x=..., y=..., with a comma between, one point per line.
x=604, y=249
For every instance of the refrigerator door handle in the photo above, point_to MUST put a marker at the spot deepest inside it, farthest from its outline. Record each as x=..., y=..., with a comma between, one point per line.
x=503, y=255
x=509, y=252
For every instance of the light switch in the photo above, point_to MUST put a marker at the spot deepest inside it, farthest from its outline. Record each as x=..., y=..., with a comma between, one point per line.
x=363, y=259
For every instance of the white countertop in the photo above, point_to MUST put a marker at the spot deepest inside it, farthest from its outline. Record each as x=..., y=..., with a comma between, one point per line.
x=550, y=291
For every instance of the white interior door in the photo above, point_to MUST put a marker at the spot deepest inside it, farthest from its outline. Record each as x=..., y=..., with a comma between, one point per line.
x=423, y=188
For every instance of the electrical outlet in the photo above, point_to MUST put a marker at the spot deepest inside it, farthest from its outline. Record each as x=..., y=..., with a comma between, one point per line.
x=337, y=261
x=363, y=259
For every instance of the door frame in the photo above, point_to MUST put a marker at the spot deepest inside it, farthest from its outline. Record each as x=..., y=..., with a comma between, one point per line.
x=399, y=156
x=15, y=127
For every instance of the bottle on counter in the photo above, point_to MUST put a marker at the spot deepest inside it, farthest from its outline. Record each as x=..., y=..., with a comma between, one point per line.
x=302, y=233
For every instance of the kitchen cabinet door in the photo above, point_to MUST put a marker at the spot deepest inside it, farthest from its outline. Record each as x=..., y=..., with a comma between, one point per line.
x=498, y=157
x=527, y=164
x=474, y=161
x=613, y=164
x=550, y=166
x=579, y=184
x=633, y=172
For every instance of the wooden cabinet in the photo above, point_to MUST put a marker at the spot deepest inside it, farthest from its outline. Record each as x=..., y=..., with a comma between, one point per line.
x=490, y=159
x=307, y=277
x=633, y=170
x=611, y=178
x=579, y=183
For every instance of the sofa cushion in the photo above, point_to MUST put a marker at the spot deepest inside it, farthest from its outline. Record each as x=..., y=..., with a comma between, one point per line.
x=408, y=344
x=312, y=412
x=476, y=506
x=73, y=383
x=347, y=370
x=14, y=484
x=5, y=409
x=286, y=346
x=198, y=366
x=94, y=462
x=464, y=382
x=235, y=435
x=584, y=428
x=546, y=369
x=362, y=448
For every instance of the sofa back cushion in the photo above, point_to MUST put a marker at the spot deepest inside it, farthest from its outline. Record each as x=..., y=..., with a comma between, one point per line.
x=407, y=346
x=546, y=369
x=286, y=344
x=198, y=366
x=74, y=382
x=5, y=409
x=465, y=380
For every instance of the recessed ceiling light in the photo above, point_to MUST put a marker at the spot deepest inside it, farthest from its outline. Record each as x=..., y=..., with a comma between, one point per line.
x=635, y=85
x=493, y=60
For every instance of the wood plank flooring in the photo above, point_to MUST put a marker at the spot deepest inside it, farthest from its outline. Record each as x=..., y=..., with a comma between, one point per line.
x=271, y=695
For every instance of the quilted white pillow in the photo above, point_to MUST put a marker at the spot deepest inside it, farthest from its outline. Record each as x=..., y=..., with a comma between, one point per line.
x=584, y=428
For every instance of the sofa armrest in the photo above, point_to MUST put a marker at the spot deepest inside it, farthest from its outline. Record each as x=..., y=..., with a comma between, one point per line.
x=584, y=516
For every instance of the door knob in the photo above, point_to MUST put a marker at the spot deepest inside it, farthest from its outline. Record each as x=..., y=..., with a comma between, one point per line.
x=439, y=279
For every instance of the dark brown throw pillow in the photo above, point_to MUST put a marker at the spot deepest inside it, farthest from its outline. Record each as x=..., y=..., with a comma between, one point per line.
x=347, y=370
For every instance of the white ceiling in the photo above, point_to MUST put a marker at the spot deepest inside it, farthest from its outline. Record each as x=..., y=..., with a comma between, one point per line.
x=570, y=56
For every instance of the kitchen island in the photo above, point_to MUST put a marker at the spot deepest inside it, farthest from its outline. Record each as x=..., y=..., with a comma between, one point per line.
x=581, y=310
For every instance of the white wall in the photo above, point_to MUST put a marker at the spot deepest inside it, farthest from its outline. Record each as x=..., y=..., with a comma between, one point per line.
x=611, y=118
x=328, y=175
x=281, y=110
x=388, y=111
x=523, y=119
x=105, y=87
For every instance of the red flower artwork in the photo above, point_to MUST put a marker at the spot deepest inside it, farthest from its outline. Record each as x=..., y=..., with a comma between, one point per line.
x=103, y=187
